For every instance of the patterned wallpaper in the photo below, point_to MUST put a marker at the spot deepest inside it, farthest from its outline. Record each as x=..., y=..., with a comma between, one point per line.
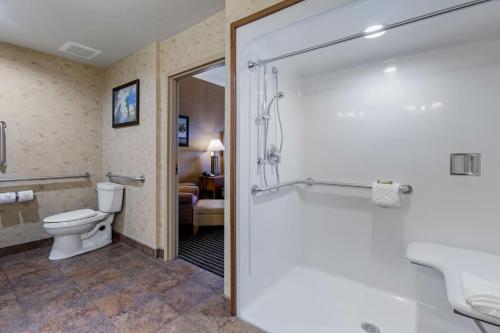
x=52, y=107
x=237, y=9
x=71, y=95
x=201, y=43
x=132, y=150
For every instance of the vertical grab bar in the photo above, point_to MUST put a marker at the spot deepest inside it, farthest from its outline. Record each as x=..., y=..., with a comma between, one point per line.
x=3, y=145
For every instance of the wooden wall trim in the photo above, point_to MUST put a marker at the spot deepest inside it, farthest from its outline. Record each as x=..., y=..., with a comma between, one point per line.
x=146, y=250
x=117, y=237
x=233, y=112
x=13, y=249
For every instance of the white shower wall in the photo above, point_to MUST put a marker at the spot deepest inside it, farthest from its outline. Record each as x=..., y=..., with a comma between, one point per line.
x=268, y=230
x=364, y=124
x=345, y=119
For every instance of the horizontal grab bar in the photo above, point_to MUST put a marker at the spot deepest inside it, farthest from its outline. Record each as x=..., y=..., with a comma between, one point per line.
x=137, y=179
x=25, y=179
x=406, y=189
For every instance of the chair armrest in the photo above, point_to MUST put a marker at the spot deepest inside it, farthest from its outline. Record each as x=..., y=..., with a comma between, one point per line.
x=189, y=189
x=186, y=198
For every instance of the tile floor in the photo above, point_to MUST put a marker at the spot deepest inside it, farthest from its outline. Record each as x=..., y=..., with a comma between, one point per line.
x=114, y=289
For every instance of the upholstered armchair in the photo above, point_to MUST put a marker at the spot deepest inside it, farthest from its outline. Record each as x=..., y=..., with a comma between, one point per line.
x=188, y=196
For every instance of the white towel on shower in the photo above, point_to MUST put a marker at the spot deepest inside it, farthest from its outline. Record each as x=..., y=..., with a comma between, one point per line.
x=482, y=295
x=385, y=195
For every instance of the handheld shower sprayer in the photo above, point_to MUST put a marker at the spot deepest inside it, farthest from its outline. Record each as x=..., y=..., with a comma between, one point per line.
x=271, y=151
x=277, y=96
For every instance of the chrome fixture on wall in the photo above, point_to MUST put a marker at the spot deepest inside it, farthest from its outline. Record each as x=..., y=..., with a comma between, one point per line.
x=269, y=154
x=465, y=164
x=86, y=175
x=137, y=179
x=16, y=197
x=3, y=145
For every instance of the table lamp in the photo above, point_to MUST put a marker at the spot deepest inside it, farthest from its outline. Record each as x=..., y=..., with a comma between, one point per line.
x=215, y=146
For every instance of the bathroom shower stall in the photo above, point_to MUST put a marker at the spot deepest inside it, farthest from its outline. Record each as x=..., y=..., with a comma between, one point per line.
x=332, y=96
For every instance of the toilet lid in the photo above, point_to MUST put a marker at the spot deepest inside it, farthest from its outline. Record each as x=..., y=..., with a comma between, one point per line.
x=71, y=216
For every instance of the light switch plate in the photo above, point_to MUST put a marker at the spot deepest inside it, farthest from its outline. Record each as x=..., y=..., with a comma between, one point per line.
x=465, y=164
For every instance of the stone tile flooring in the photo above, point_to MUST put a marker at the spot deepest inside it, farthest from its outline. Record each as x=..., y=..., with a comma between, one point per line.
x=114, y=289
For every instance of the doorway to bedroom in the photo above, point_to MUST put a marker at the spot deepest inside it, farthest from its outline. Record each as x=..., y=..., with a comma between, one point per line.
x=199, y=108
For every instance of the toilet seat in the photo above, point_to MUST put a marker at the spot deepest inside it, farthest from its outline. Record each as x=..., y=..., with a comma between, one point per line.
x=73, y=215
x=73, y=218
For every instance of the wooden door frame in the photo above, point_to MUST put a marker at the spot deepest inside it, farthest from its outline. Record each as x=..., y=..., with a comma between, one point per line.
x=173, y=151
x=233, y=112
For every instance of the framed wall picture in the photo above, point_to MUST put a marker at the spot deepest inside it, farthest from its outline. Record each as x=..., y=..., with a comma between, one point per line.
x=126, y=104
x=183, y=133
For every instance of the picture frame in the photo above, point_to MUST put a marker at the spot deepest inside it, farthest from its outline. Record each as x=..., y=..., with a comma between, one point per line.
x=183, y=131
x=126, y=104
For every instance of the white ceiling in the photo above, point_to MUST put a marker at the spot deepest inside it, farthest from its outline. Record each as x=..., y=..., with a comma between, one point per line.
x=116, y=27
x=215, y=75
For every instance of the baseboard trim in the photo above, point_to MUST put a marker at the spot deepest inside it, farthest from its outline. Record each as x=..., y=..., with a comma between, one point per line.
x=13, y=249
x=117, y=237
x=146, y=250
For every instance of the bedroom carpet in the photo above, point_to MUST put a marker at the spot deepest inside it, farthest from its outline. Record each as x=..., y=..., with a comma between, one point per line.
x=205, y=250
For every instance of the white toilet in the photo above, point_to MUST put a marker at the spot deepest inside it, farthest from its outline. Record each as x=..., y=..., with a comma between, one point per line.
x=85, y=230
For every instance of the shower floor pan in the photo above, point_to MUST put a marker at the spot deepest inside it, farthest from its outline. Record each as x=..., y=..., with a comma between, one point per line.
x=308, y=300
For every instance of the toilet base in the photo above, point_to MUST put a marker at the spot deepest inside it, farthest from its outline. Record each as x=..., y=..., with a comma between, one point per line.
x=66, y=246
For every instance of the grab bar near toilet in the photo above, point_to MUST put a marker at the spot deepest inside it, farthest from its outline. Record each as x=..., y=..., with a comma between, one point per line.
x=85, y=175
x=3, y=145
x=137, y=179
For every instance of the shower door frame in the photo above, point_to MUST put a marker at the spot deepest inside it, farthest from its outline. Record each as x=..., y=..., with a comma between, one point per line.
x=233, y=114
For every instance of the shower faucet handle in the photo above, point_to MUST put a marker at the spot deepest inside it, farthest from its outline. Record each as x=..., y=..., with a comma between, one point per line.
x=273, y=155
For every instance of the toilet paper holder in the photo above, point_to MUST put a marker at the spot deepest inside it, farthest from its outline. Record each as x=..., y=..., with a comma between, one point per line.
x=17, y=199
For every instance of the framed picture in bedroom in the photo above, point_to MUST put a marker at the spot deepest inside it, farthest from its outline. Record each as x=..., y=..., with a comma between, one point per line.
x=183, y=133
x=126, y=104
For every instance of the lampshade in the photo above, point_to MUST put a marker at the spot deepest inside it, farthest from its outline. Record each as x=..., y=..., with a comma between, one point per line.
x=215, y=145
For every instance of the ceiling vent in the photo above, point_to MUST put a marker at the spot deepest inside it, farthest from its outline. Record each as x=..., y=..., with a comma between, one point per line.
x=79, y=50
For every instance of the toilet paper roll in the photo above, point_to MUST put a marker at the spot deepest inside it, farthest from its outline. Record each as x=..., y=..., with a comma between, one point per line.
x=25, y=196
x=7, y=197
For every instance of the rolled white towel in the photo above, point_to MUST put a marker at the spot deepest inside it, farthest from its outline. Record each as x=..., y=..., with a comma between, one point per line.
x=385, y=194
x=482, y=295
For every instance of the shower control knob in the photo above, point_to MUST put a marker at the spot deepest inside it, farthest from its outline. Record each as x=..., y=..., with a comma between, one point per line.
x=273, y=155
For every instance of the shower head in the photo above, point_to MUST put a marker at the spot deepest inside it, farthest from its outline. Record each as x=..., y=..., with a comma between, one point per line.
x=277, y=96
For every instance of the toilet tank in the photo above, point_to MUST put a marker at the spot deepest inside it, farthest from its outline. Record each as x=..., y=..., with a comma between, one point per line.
x=110, y=197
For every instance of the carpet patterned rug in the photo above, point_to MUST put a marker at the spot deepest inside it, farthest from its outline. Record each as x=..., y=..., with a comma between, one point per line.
x=205, y=250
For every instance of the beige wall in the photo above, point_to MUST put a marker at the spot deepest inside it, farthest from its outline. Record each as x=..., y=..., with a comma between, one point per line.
x=143, y=149
x=52, y=107
x=203, y=102
x=200, y=44
x=237, y=9
x=132, y=150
